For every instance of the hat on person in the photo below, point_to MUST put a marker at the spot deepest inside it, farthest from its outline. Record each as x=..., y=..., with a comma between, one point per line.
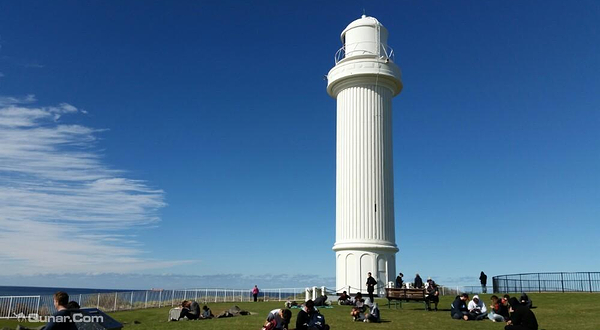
x=475, y=297
x=513, y=302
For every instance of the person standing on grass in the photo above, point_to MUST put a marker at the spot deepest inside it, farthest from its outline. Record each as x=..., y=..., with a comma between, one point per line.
x=371, y=283
x=483, y=280
x=255, y=292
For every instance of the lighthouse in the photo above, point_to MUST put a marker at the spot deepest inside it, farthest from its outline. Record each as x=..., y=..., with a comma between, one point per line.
x=363, y=81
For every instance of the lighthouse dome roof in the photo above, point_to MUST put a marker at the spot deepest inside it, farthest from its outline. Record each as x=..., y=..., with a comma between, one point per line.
x=363, y=21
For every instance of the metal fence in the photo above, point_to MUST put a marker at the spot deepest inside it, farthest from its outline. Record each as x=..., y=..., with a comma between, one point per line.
x=15, y=306
x=548, y=282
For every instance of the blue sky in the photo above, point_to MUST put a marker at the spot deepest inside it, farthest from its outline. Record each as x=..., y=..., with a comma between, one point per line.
x=196, y=138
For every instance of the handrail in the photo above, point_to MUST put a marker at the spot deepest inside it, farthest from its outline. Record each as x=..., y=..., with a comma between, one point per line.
x=548, y=282
x=388, y=52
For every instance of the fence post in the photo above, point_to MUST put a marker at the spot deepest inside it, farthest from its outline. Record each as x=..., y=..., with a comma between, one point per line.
x=279, y=294
x=146, y=301
x=159, y=297
x=115, y=308
x=9, y=307
x=539, y=284
x=37, y=311
x=590, y=279
x=215, y=295
x=562, y=283
x=79, y=302
x=196, y=295
x=173, y=298
x=98, y=303
x=131, y=300
x=521, y=282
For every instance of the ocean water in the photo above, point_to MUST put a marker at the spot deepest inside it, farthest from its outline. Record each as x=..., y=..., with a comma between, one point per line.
x=40, y=291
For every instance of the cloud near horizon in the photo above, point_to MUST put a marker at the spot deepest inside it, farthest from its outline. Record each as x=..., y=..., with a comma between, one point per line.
x=61, y=208
x=135, y=281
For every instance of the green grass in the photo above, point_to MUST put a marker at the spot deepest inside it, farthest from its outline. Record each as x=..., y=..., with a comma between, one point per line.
x=554, y=311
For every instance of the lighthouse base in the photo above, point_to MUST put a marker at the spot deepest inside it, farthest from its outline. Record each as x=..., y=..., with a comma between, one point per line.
x=352, y=267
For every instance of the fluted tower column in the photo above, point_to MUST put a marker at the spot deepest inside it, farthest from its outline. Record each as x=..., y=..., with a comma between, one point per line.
x=364, y=81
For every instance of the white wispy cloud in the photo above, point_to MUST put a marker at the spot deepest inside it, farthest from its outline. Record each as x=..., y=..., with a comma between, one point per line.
x=61, y=208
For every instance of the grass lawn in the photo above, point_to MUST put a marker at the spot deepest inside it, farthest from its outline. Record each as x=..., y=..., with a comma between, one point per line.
x=554, y=311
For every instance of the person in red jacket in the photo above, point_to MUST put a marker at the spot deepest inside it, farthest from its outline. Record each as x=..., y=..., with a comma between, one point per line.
x=255, y=292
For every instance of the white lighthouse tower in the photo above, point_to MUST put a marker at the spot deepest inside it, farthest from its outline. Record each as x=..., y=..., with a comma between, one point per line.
x=364, y=80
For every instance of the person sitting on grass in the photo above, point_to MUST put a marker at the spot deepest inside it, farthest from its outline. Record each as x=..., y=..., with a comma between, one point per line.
x=309, y=318
x=432, y=295
x=521, y=317
x=344, y=299
x=498, y=311
x=373, y=314
x=477, y=309
x=356, y=314
x=525, y=301
x=458, y=308
x=190, y=309
x=278, y=319
x=206, y=313
x=304, y=315
x=321, y=300
x=359, y=302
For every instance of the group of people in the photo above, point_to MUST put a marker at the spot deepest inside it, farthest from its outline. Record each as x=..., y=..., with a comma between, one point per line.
x=366, y=313
x=191, y=310
x=309, y=318
x=516, y=313
x=361, y=310
x=432, y=293
x=417, y=283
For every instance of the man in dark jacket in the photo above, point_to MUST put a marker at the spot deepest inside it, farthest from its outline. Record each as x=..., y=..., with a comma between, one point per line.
x=458, y=309
x=521, y=317
x=303, y=317
x=371, y=283
x=483, y=280
x=62, y=319
x=399, y=280
x=418, y=282
x=309, y=318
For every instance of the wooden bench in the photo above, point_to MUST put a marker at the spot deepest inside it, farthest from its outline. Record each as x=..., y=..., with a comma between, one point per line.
x=407, y=295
